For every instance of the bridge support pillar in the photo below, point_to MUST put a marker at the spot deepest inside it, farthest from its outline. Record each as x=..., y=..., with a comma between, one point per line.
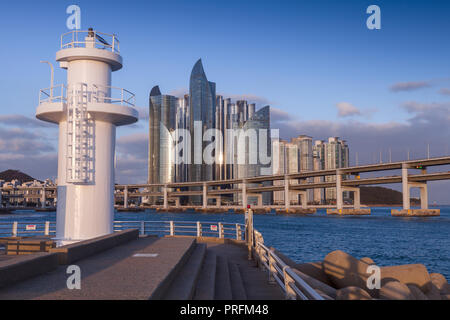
x=43, y=198
x=304, y=198
x=166, y=198
x=356, y=196
x=218, y=201
x=287, y=199
x=339, y=194
x=258, y=196
x=405, y=188
x=205, y=196
x=423, y=193
x=125, y=197
x=244, y=194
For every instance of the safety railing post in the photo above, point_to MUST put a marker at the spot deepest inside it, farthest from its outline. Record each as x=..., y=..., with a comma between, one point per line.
x=14, y=229
x=172, y=228
x=238, y=231
x=220, y=230
x=47, y=228
x=142, y=228
x=272, y=269
x=199, y=229
x=290, y=293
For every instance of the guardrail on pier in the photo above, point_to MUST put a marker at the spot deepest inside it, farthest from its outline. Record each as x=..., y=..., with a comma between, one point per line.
x=27, y=228
x=185, y=228
x=292, y=284
x=160, y=228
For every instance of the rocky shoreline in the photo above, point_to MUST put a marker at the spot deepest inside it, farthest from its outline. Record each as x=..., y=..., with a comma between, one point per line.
x=340, y=276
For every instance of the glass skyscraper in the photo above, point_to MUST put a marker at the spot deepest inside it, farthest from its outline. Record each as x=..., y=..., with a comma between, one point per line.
x=162, y=123
x=202, y=107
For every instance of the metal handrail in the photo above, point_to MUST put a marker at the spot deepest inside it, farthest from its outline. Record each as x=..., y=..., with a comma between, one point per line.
x=77, y=39
x=15, y=228
x=292, y=284
x=100, y=93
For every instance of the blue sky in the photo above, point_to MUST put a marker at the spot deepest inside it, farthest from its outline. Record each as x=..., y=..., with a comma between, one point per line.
x=314, y=62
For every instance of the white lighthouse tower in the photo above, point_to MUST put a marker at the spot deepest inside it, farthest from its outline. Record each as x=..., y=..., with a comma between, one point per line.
x=88, y=110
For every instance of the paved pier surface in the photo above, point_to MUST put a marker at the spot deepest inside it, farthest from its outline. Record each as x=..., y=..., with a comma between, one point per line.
x=184, y=269
x=112, y=274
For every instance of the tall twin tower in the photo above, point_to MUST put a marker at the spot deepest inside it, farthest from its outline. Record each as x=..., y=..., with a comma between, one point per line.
x=195, y=113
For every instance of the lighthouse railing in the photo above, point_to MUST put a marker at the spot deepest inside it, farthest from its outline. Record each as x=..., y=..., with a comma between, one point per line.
x=113, y=95
x=57, y=93
x=77, y=39
x=97, y=93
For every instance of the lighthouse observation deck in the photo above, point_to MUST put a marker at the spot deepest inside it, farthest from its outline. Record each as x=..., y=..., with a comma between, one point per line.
x=95, y=54
x=77, y=39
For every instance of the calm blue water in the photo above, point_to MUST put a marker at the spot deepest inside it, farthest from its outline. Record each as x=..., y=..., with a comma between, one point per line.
x=385, y=239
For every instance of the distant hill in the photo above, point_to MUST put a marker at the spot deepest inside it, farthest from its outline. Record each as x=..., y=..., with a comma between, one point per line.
x=381, y=195
x=10, y=174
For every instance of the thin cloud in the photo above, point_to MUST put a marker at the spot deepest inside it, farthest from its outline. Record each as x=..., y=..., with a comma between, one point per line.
x=279, y=115
x=346, y=109
x=445, y=91
x=410, y=86
x=23, y=121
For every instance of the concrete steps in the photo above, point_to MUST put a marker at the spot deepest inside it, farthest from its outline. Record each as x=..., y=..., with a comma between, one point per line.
x=205, y=287
x=223, y=281
x=207, y=275
x=237, y=285
x=183, y=286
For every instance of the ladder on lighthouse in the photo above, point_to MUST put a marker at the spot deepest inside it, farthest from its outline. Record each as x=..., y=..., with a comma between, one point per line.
x=79, y=136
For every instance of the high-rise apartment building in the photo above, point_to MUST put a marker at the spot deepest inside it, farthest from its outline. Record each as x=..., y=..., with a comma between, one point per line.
x=333, y=154
x=305, y=151
x=285, y=157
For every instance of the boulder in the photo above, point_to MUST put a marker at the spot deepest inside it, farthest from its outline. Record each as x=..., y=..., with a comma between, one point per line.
x=344, y=271
x=394, y=290
x=445, y=296
x=367, y=260
x=440, y=282
x=324, y=295
x=312, y=269
x=315, y=270
x=433, y=293
x=352, y=293
x=417, y=293
x=316, y=284
x=416, y=274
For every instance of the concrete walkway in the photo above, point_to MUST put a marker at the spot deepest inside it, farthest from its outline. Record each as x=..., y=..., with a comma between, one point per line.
x=112, y=274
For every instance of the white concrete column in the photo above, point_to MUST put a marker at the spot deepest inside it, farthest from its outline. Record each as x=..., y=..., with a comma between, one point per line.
x=357, y=198
x=287, y=199
x=339, y=194
x=424, y=197
x=125, y=197
x=260, y=200
x=218, y=201
x=205, y=196
x=43, y=199
x=405, y=188
x=304, y=199
x=177, y=202
x=244, y=194
x=166, y=199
